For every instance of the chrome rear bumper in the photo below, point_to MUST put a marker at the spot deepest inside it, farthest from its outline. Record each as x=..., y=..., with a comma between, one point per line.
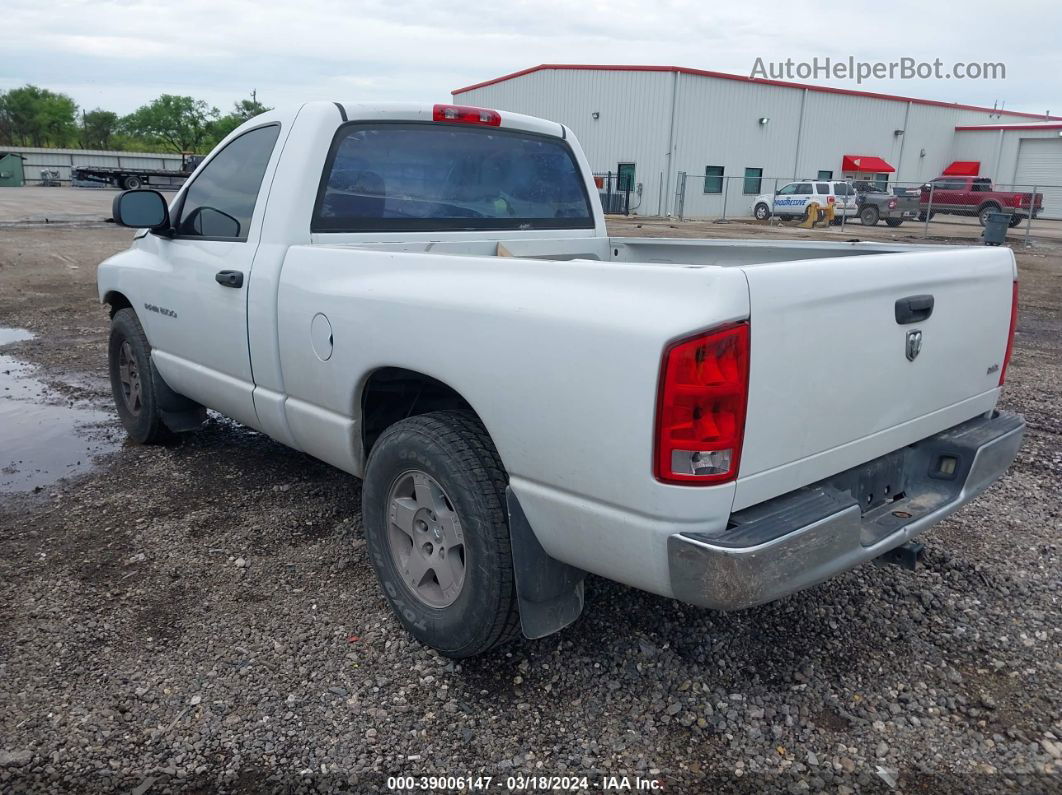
x=807, y=536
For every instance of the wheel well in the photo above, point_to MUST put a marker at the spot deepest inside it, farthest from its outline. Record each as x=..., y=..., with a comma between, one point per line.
x=394, y=393
x=984, y=206
x=116, y=301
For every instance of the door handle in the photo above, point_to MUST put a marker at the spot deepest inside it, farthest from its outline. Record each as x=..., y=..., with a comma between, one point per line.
x=914, y=309
x=229, y=278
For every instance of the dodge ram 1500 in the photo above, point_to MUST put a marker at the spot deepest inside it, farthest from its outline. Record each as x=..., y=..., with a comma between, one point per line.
x=427, y=298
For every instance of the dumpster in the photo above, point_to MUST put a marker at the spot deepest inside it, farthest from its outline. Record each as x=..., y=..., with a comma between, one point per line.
x=995, y=233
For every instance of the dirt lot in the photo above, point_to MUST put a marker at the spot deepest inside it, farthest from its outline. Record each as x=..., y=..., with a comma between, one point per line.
x=202, y=617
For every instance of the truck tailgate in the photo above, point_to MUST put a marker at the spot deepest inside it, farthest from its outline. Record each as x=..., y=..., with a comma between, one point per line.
x=831, y=382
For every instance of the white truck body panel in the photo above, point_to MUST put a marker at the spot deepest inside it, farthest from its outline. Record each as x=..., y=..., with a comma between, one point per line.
x=558, y=348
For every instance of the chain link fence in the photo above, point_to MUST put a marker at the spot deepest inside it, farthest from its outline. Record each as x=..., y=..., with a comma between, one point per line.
x=618, y=193
x=943, y=207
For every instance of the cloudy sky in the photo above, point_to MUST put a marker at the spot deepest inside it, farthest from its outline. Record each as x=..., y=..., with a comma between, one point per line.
x=118, y=54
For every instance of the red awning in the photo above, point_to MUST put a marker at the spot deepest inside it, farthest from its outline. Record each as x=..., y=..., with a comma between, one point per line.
x=865, y=163
x=963, y=168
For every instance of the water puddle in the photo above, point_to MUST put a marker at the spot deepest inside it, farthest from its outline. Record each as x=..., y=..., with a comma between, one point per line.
x=43, y=439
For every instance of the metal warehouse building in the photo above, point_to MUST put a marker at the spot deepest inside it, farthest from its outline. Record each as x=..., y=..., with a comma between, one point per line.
x=649, y=123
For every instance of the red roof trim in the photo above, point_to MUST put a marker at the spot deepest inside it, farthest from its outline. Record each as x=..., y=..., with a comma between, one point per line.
x=987, y=127
x=725, y=76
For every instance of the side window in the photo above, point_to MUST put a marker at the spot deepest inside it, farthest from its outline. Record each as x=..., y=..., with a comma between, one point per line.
x=822, y=188
x=982, y=185
x=804, y=188
x=786, y=190
x=220, y=202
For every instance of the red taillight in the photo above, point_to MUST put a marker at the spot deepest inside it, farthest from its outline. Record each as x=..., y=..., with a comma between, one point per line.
x=1010, y=336
x=465, y=114
x=892, y=204
x=831, y=199
x=700, y=410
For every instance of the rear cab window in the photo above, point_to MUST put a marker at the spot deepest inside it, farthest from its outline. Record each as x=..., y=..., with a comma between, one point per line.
x=418, y=176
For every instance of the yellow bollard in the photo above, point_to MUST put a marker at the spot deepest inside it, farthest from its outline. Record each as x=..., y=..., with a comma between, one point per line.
x=817, y=213
x=812, y=216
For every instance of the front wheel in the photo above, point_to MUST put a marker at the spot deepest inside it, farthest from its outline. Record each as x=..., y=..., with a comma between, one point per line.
x=135, y=396
x=437, y=532
x=762, y=212
x=131, y=183
x=893, y=221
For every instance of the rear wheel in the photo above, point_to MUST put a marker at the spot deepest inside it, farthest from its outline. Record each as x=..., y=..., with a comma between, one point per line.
x=869, y=215
x=922, y=216
x=1016, y=220
x=985, y=211
x=436, y=526
x=131, y=183
x=762, y=212
x=135, y=396
x=893, y=221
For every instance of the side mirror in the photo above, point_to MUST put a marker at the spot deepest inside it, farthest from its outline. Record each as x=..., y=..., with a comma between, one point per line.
x=141, y=209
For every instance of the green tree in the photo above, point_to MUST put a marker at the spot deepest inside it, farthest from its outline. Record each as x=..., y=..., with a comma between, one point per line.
x=183, y=124
x=241, y=111
x=98, y=129
x=33, y=116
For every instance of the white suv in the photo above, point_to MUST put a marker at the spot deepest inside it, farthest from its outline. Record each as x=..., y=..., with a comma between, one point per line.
x=791, y=200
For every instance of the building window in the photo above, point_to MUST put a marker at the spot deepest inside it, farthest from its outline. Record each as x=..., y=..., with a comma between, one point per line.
x=882, y=181
x=753, y=178
x=625, y=177
x=823, y=174
x=713, y=179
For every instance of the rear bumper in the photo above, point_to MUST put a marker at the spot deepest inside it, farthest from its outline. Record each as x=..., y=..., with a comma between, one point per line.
x=807, y=536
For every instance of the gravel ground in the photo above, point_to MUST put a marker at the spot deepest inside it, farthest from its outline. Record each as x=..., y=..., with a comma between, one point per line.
x=202, y=618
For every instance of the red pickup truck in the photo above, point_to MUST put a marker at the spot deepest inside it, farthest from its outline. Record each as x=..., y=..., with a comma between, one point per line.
x=976, y=196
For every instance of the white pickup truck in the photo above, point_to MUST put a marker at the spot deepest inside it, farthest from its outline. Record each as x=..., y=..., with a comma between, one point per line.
x=427, y=298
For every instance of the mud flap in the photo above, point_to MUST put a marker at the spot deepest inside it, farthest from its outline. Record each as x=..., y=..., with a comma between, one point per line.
x=550, y=593
x=178, y=413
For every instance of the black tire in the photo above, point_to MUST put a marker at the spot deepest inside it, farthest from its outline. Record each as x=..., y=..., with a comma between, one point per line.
x=761, y=212
x=984, y=210
x=453, y=448
x=141, y=417
x=869, y=215
x=922, y=216
x=131, y=183
x=1016, y=220
x=894, y=221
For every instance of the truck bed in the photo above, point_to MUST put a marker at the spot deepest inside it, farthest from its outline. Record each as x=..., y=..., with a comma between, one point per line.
x=645, y=250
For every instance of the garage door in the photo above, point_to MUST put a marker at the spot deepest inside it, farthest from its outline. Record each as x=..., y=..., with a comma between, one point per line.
x=1040, y=163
